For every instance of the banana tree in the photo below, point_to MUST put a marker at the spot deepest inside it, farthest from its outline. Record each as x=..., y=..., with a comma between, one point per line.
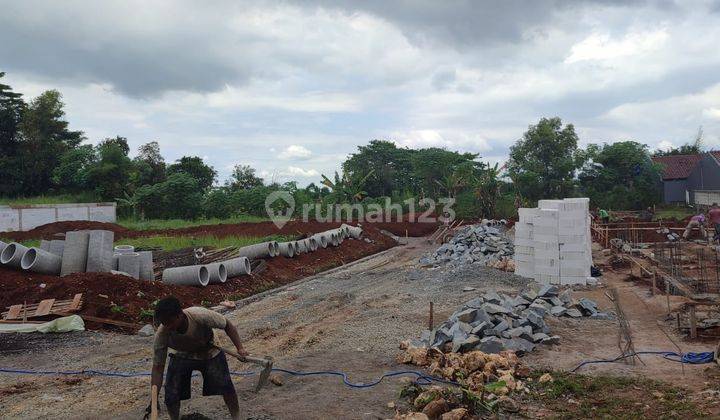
x=345, y=188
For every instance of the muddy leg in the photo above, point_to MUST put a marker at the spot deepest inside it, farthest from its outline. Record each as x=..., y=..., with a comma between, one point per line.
x=231, y=401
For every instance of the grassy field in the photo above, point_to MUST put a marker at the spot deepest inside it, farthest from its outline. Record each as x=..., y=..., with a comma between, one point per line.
x=179, y=223
x=49, y=199
x=676, y=212
x=170, y=243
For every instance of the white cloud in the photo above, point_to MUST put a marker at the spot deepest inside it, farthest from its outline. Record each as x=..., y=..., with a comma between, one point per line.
x=295, y=152
x=602, y=47
x=665, y=145
x=453, y=140
x=712, y=113
x=294, y=171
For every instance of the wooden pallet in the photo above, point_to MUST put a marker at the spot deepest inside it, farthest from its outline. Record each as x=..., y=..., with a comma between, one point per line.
x=43, y=308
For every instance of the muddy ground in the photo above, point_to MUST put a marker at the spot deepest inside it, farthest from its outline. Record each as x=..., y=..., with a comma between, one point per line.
x=350, y=320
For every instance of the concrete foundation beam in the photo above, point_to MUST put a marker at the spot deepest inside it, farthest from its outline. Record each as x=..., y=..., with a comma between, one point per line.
x=130, y=263
x=12, y=255
x=74, y=258
x=100, y=251
x=41, y=261
x=217, y=273
x=146, y=266
x=237, y=267
x=194, y=275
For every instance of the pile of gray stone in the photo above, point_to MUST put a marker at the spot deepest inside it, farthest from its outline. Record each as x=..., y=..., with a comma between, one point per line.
x=495, y=322
x=481, y=243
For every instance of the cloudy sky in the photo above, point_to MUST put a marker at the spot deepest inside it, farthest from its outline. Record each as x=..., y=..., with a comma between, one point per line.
x=293, y=87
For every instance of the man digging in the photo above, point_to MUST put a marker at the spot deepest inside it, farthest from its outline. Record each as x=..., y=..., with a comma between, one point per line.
x=189, y=333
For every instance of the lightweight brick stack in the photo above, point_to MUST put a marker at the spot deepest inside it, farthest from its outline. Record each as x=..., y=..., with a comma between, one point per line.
x=553, y=242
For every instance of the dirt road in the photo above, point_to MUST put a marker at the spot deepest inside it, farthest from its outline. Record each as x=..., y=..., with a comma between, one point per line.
x=350, y=320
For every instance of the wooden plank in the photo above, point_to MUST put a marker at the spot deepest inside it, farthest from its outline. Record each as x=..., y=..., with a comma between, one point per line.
x=693, y=323
x=76, y=302
x=105, y=321
x=44, y=307
x=14, y=312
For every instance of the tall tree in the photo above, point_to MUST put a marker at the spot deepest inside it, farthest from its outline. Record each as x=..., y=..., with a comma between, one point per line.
x=243, y=178
x=71, y=174
x=110, y=175
x=543, y=163
x=11, y=109
x=620, y=176
x=45, y=137
x=150, y=164
x=435, y=169
x=390, y=166
x=195, y=167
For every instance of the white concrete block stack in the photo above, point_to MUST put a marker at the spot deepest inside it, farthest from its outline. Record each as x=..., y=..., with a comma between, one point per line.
x=524, y=246
x=558, y=232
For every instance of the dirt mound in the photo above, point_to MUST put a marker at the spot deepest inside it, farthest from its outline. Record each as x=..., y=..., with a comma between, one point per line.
x=260, y=229
x=127, y=297
x=48, y=231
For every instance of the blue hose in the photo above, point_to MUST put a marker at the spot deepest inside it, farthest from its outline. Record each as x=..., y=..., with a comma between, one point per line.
x=421, y=378
x=688, y=358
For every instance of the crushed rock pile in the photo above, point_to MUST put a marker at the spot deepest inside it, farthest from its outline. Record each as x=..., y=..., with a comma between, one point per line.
x=481, y=243
x=485, y=377
x=495, y=322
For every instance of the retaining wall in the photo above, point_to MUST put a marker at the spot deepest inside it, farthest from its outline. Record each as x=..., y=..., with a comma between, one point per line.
x=22, y=218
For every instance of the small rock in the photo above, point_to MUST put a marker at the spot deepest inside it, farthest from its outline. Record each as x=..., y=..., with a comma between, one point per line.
x=276, y=380
x=456, y=414
x=506, y=403
x=548, y=290
x=490, y=345
x=146, y=331
x=468, y=289
x=436, y=408
x=228, y=304
x=558, y=310
x=545, y=378
x=555, y=339
x=574, y=313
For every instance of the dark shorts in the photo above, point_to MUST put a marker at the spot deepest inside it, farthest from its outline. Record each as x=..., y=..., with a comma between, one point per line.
x=215, y=373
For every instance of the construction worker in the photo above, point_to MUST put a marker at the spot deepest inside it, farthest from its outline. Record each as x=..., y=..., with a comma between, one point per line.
x=697, y=221
x=189, y=333
x=604, y=215
x=714, y=216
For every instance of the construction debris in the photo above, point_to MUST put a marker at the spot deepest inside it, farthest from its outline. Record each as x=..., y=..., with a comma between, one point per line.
x=481, y=243
x=495, y=322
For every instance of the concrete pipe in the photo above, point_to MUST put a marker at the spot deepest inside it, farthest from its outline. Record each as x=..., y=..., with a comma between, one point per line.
x=75, y=251
x=261, y=250
x=217, y=273
x=286, y=249
x=41, y=261
x=237, y=267
x=100, y=251
x=45, y=245
x=354, y=232
x=12, y=254
x=332, y=238
x=57, y=246
x=114, y=263
x=146, y=266
x=276, y=248
x=298, y=251
x=320, y=239
x=312, y=244
x=124, y=249
x=130, y=263
x=303, y=246
x=193, y=275
x=2, y=246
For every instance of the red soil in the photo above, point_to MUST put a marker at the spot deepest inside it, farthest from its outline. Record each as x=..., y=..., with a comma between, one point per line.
x=260, y=229
x=134, y=295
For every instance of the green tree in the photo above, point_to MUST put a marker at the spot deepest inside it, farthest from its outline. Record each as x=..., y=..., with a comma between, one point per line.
x=435, y=170
x=621, y=176
x=12, y=108
x=111, y=174
x=150, y=164
x=543, y=163
x=194, y=166
x=45, y=137
x=390, y=166
x=693, y=148
x=178, y=197
x=243, y=178
x=71, y=173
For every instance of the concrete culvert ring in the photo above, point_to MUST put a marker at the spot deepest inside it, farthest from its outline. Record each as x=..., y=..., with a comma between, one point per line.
x=8, y=253
x=222, y=271
x=28, y=259
x=203, y=276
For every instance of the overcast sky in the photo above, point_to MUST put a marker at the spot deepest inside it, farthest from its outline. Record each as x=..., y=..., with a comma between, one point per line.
x=293, y=87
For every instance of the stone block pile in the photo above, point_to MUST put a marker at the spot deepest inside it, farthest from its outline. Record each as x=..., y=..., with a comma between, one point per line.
x=495, y=322
x=479, y=243
x=553, y=242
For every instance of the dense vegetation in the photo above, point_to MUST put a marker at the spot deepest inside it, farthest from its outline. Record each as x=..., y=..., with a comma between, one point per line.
x=39, y=155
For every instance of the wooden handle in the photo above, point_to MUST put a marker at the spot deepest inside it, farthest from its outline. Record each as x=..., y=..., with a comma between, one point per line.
x=247, y=359
x=154, y=403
